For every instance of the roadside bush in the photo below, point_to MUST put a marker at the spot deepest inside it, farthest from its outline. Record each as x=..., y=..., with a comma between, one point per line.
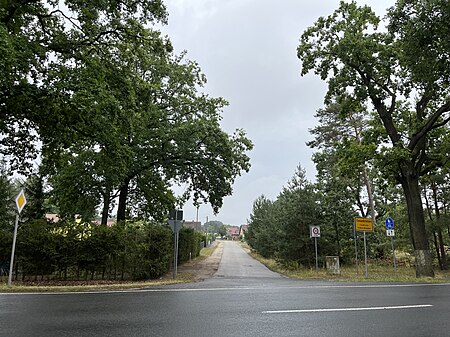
x=6, y=236
x=155, y=253
x=189, y=244
x=68, y=236
x=75, y=251
x=95, y=249
x=36, y=249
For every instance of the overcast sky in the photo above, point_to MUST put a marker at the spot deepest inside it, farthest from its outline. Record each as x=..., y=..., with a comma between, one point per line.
x=247, y=50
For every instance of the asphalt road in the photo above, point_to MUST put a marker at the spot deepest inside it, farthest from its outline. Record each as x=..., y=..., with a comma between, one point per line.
x=244, y=298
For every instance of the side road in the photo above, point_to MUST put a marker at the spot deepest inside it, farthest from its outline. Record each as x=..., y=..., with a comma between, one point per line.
x=201, y=269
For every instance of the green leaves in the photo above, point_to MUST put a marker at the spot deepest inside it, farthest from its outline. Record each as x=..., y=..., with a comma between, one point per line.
x=422, y=30
x=403, y=73
x=110, y=103
x=39, y=41
x=390, y=70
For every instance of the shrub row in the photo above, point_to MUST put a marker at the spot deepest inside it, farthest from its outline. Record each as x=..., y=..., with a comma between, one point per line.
x=73, y=251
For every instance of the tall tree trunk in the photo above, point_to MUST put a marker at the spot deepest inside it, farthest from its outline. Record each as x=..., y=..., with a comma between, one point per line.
x=123, y=196
x=369, y=195
x=410, y=183
x=436, y=246
x=444, y=264
x=366, y=180
x=443, y=255
x=338, y=244
x=106, y=204
x=448, y=225
x=430, y=216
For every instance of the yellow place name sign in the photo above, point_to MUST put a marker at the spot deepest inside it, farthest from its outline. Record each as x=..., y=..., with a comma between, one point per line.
x=363, y=225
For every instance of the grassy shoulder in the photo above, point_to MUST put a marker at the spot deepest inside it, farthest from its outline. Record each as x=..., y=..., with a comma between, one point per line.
x=103, y=285
x=376, y=273
x=81, y=286
x=207, y=252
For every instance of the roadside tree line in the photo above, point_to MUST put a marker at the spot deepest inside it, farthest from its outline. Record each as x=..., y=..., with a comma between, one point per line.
x=383, y=136
x=99, y=117
x=280, y=228
x=96, y=105
x=72, y=249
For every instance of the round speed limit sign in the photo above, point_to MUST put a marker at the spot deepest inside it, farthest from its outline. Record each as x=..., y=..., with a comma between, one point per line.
x=314, y=231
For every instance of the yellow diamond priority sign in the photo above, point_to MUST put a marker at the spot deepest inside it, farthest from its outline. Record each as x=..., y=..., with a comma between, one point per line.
x=20, y=201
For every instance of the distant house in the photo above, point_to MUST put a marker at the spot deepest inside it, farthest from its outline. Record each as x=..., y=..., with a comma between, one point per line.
x=242, y=231
x=110, y=222
x=52, y=217
x=233, y=232
x=195, y=225
x=55, y=218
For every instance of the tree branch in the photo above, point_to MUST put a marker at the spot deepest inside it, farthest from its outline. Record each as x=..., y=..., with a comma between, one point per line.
x=385, y=115
x=431, y=124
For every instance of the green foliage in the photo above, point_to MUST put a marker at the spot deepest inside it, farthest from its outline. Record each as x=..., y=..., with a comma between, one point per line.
x=35, y=37
x=280, y=229
x=298, y=211
x=36, y=248
x=116, y=113
x=36, y=198
x=151, y=252
x=71, y=250
x=221, y=230
x=76, y=196
x=189, y=244
x=403, y=73
x=6, y=218
x=422, y=30
x=6, y=201
x=263, y=231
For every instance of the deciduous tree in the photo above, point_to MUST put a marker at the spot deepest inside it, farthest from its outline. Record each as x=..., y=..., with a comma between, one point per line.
x=408, y=87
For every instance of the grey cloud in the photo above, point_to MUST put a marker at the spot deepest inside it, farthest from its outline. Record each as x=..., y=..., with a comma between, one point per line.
x=247, y=49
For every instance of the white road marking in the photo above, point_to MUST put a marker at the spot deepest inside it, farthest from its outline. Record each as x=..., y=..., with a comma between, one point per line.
x=302, y=311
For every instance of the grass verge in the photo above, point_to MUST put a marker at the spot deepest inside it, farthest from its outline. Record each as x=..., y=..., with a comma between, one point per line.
x=376, y=273
x=84, y=286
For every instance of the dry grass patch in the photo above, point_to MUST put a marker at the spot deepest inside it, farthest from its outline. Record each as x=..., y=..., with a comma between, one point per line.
x=376, y=273
x=19, y=287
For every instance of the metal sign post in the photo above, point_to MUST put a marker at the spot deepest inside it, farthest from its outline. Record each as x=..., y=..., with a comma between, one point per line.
x=391, y=232
x=175, y=254
x=175, y=220
x=20, y=203
x=365, y=255
x=355, y=235
x=317, y=259
x=363, y=225
x=393, y=254
x=16, y=224
x=314, y=232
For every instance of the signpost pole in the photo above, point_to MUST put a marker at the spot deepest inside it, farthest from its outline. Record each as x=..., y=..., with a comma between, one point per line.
x=363, y=225
x=393, y=254
x=390, y=232
x=175, y=222
x=365, y=255
x=20, y=203
x=356, y=247
x=175, y=246
x=314, y=232
x=13, y=251
x=317, y=261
